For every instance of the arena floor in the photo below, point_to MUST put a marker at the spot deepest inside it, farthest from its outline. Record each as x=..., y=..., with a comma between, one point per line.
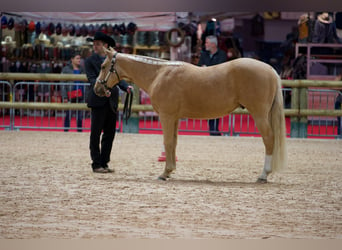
x=47, y=189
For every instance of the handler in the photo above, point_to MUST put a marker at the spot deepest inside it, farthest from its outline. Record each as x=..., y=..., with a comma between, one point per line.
x=103, y=109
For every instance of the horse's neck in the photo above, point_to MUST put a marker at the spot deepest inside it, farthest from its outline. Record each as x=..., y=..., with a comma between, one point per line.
x=140, y=70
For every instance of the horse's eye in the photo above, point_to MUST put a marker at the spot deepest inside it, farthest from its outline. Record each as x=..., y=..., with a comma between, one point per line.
x=103, y=67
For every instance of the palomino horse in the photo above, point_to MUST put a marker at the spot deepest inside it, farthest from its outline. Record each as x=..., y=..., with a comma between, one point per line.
x=182, y=90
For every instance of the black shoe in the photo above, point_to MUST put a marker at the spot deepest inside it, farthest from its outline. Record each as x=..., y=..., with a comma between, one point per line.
x=108, y=169
x=100, y=170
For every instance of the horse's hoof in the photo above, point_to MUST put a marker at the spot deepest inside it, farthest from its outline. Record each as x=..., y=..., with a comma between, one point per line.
x=260, y=180
x=161, y=178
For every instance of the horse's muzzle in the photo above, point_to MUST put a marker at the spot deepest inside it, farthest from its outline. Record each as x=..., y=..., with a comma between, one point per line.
x=99, y=90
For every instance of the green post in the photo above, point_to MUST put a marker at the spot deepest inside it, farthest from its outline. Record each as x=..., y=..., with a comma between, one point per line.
x=295, y=119
x=132, y=125
x=303, y=120
x=299, y=124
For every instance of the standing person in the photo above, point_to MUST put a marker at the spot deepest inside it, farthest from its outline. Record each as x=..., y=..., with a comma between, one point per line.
x=212, y=55
x=73, y=93
x=103, y=109
x=325, y=30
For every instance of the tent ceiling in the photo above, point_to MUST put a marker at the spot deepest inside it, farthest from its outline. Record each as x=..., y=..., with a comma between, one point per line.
x=93, y=16
x=144, y=20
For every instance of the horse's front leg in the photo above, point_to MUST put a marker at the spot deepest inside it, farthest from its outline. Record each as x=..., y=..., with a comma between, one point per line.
x=170, y=132
x=170, y=163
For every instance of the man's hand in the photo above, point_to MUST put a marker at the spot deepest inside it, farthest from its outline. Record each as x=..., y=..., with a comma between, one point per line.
x=108, y=93
x=129, y=89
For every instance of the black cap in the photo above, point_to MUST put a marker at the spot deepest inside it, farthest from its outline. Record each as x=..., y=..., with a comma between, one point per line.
x=104, y=38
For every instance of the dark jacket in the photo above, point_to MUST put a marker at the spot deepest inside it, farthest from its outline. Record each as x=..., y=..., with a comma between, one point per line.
x=219, y=57
x=325, y=33
x=92, y=68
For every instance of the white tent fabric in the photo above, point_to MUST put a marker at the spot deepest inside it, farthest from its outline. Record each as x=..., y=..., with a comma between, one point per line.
x=144, y=20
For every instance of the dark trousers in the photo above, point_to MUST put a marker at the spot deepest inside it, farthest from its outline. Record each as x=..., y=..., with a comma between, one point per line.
x=68, y=115
x=103, y=119
x=214, y=126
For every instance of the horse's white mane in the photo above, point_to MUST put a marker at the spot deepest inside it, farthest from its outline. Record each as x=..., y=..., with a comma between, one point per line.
x=150, y=60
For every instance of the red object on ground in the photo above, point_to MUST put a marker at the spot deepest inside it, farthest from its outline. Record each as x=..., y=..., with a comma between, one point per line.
x=162, y=157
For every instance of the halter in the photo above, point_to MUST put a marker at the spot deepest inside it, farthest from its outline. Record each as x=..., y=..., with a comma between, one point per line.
x=111, y=70
x=129, y=97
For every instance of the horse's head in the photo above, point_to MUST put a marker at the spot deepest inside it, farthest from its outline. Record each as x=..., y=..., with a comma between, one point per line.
x=108, y=76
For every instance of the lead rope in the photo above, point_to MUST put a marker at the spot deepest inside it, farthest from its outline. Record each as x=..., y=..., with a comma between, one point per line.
x=127, y=110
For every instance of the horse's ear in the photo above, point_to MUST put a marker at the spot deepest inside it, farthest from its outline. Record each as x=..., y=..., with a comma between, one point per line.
x=112, y=50
x=107, y=51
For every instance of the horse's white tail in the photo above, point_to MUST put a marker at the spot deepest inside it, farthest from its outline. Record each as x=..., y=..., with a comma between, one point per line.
x=277, y=118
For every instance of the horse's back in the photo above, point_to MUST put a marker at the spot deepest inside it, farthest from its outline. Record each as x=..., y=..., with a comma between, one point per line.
x=253, y=66
x=251, y=72
x=240, y=71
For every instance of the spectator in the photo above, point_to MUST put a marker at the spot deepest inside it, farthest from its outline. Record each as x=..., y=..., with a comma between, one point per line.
x=304, y=28
x=73, y=93
x=325, y=30
x=212, y=55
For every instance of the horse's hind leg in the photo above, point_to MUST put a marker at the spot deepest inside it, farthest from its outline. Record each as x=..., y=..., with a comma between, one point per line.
x=170, y=132
x=266, y=170
x=266, y=132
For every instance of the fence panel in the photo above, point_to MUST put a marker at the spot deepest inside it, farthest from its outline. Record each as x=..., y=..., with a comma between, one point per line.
x=5, y=113
x=49, y=119
x=323, y=126
x=150, y=123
